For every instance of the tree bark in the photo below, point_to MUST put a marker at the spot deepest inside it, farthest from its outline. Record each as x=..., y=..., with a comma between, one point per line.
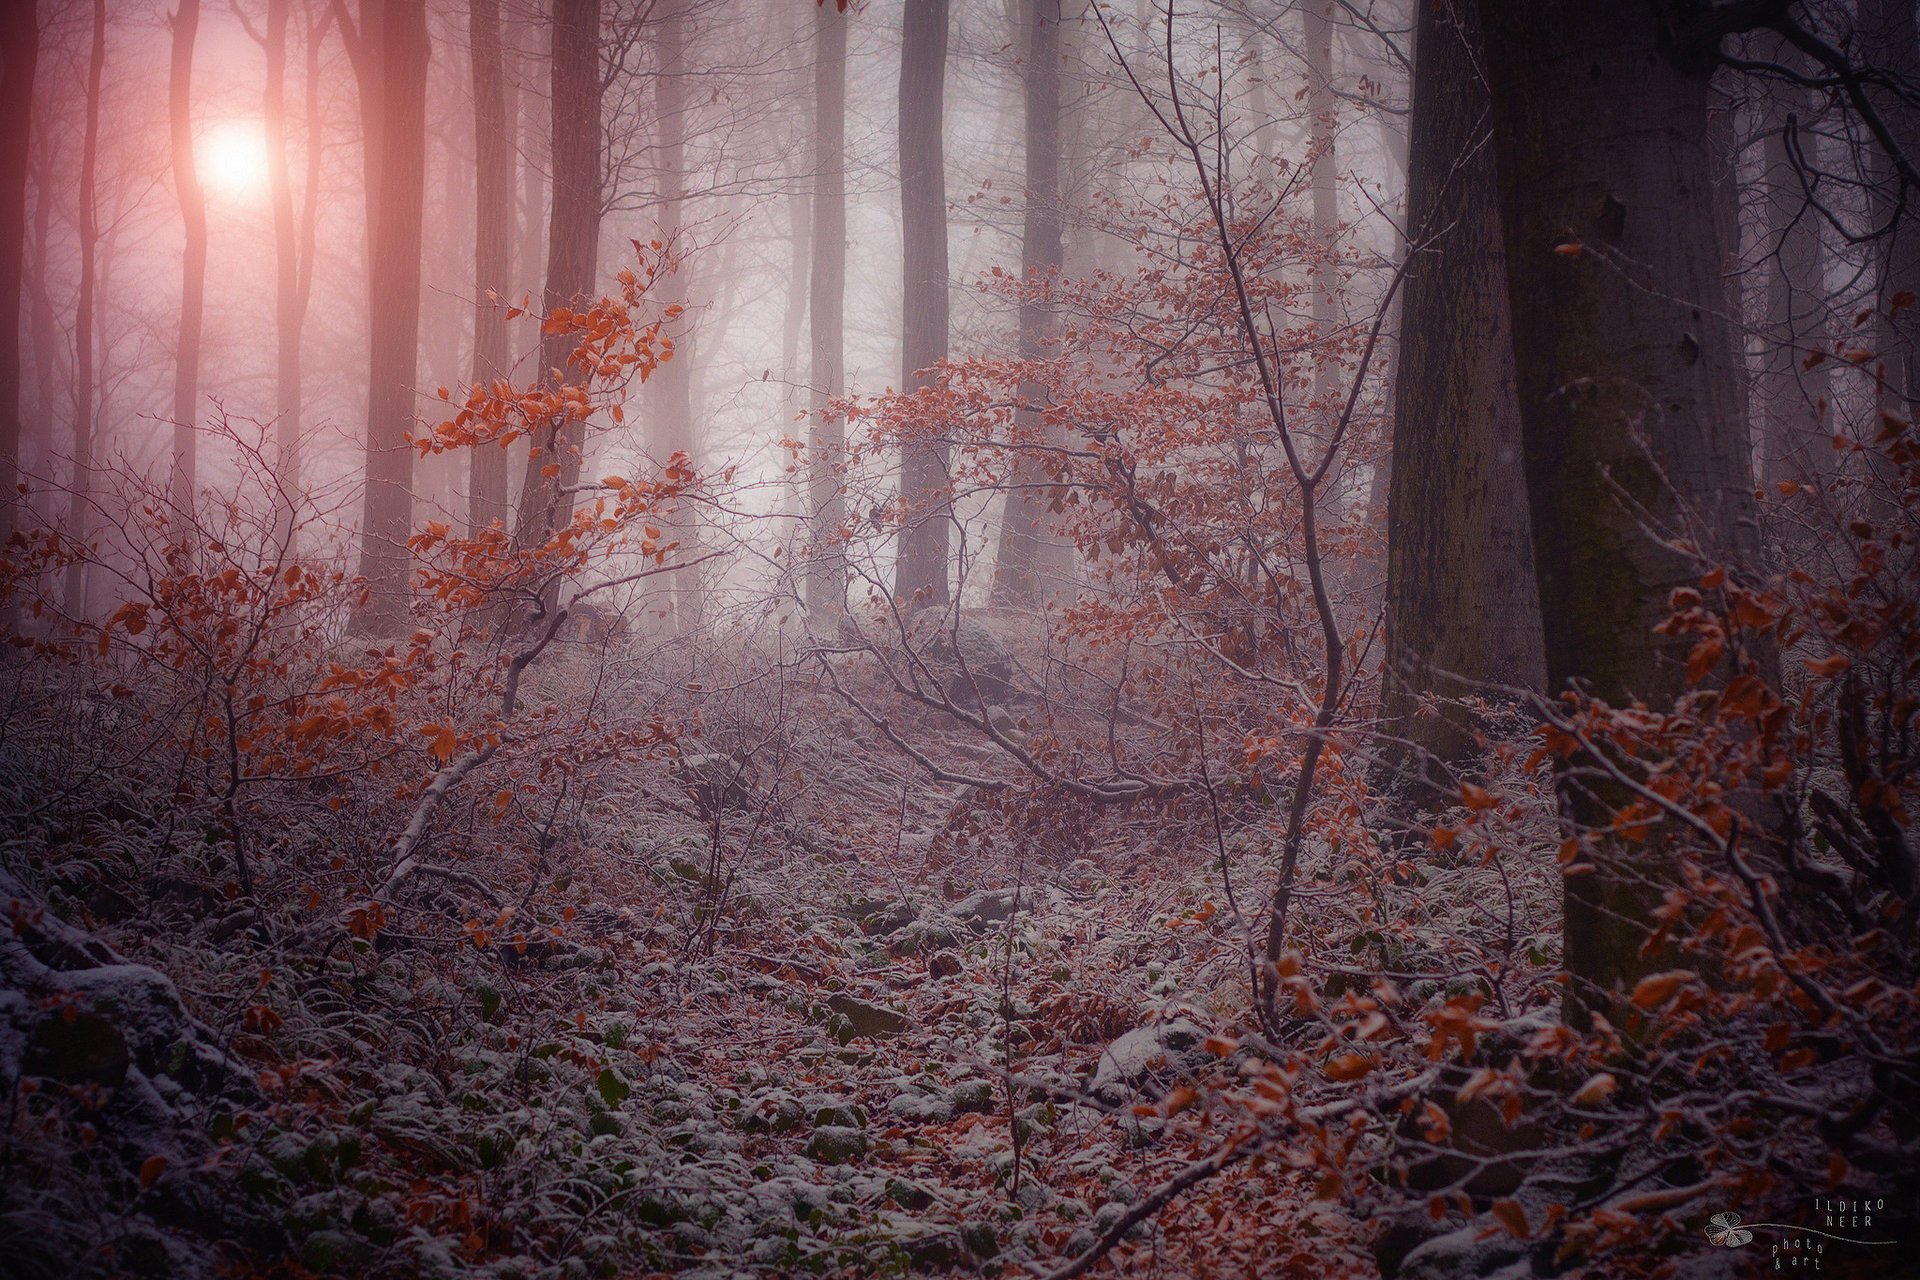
x=79, y=499
x=1462, y=609
x=1887, y=37
x=492, y=249
x=1627, y=386
x=1792, y=400
x=673, y=381
x=573, y=249
x=193, y=262
x=921, y=573
x=397, y=58
x=826, y=295
x=19, y=51
x=1029, y=560
x=293, y=240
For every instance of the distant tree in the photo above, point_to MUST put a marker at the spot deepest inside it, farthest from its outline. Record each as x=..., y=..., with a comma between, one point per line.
x=193, y=262
x=1462, y=609
x=1028, y=559
x=493, y=143
x=1629, y=429
x=827, y=298
x=673, y=382
x=79, y=500
x=294, y=237
x=393, y=73
x=1886, y=34
x=921, y=571
x=19, y=51
x=573, y=246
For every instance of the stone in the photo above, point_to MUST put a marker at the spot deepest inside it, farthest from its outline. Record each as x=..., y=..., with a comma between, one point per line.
x=837, y=1144
x=868, y=1019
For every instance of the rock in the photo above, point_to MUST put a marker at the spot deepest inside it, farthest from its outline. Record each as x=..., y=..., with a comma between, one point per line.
x=868, y=1019
x=845, y=1115
x=943, y=964
x=971, y=1097
x=837, y=1144
x=774, y=1112
x=1147, y=1060
x=921, y=1108
x=988, y=907
x=80, y=1048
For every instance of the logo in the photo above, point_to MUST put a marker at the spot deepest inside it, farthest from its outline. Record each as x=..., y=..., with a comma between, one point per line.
x=1724, y=1229
x=1802, y=1246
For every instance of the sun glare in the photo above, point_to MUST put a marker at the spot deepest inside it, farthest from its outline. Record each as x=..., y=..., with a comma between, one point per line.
x=233, y=160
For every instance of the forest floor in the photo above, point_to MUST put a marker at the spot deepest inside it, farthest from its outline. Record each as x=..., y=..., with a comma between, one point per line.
x=870, y=1029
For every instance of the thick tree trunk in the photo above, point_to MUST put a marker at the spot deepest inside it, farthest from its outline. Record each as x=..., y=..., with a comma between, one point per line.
x=1627, y=387
x=1030, y=561
x=193, y=263
x=1462, y=610
x=79, y=501
x=19, y=51
x=398, y=60
x=827, y=295
x=573, y=250
x=36, y=435
x=921, y=572
x=492, y=245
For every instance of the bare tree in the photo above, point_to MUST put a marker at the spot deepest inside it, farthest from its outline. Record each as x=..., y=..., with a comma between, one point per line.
x=83, y=392
x=19, y=51
x=193, y=262
x=395, y=53
x=921, y=572
x=827, y=296
x=492, y=250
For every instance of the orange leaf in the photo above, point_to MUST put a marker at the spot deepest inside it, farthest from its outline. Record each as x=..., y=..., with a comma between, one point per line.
x=150, y=1170
x=1598, y=1089
x=1656, y=989
x=1348, y=1066
x=1829, y=666
x=1513, y=1217
x=1475, y=797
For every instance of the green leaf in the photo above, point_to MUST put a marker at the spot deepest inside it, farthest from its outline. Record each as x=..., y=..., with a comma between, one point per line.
x=613, y=1090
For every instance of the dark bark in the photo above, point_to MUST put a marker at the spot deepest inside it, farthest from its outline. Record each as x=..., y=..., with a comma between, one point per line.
x=1887, y=39
x=78, y=507
x=19, y=51
x=1627, y=386
x=573, y=248
x=493, y=234
x=397, y=58
x=193, y=262
x=921, y=572
x=826, y=295
x=1462, y=611
x=1030, y=561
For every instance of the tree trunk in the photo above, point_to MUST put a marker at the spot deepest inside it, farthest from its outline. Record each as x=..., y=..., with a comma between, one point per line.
x=293, y=240
x=921, y=573
x=1462, y=609
x=673, y=381
x=493, y=233
x=1627, y=386
x=1029, y=560
x=1887, y=37
x=19, y=50
x=82, y=483
x=1792, y=400
x=397, y=58
x=36, y=436
x=827, y=296
x=573, y=249
x=193, y=263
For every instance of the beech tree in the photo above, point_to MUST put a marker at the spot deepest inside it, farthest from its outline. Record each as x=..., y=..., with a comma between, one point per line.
x=573, y=247
x=493, y=141
x=193, y=262
x=393, y=74
x=1461, y=610
x=922, y=571
x=78, y=507
x=19, y=53
x=826, y=293
x=1627, y=388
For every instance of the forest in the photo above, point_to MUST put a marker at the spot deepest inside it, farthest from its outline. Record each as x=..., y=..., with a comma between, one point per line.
x=1024, y=638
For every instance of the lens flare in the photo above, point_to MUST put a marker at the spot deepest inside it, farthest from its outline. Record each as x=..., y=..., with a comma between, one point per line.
x=233, y=160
